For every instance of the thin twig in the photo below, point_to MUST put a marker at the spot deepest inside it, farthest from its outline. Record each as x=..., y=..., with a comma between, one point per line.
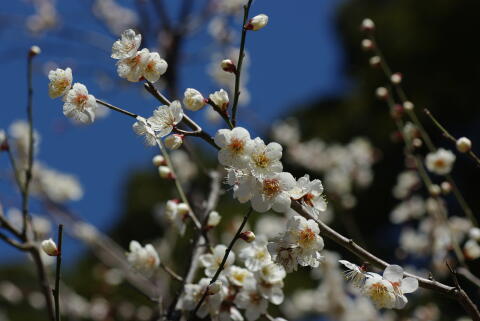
x=170, y=272
x=115, y=108
x=241, y=55
x=224, y=260
x=56, y=291
x=467, y=304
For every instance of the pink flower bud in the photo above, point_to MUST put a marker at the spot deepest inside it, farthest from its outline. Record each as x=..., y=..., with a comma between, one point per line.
x=248, y=236
x=257, y=22
x=228, y=66
x=464, y=145
x=49, y=247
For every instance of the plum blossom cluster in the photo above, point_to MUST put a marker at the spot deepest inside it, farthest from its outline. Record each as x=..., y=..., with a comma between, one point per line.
x=143, y=259
x=387, y=290
x=250, y=288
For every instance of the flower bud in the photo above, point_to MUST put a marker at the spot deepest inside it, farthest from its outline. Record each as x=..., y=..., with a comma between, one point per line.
x=396, y=78
x=375, y=61
x=367, y=44
x=213, y=219
x=174, y=141
x=464, y=145
x=220, y=99
x=446, y=187
x=3, y=140
x=228, y=66
x=434, y=190
x=368, y=25
x=257, y=22
x=34, y=50
x=247, y=236
x=158, y=160
x=417, y=142
x=474, y=233
x=165, y=172
x=396, y=111
x=49, y=247
x=193, y=99
x=408, y=105
x=183, y=209
x=381, y=92
x=214, y=288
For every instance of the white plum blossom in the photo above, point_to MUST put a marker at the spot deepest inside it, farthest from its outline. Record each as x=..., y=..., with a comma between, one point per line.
x=235, y=146
x=238, y=276
x=256, y=254
x=354, y=273
x=60, y=82
x=193, y=294
x=380, y=291
x=401, y=285
x=471, y=248
x=265, y=159
x=220, y=99
x=155, y=66
x=270, y=282
x=127, y=45
x=243, y=183
x=177, y=213
x=193, y=99
x=407, y=181
x=142, y=128
x=132, y=68
x=174, y=141
x=440, y=162
x=251, y=300
x=272, y=192
x=211, y=261
x=49, y=247
x=79, y=105
x=310, y=195
x=165, y=118
x=56, y=186
x=143, y=259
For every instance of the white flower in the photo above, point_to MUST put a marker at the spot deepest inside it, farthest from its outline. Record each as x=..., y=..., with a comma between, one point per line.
x=154, y=67
x=257, y=22
x=193, y=99
x=472, y=249
x=143, y=259
x=132, y=68
x=177, y=213
x=272, y=192
x=270, y=282
x=213, y=219
x=355, y=273
x=174, y=141
x=142, y=128
x=401, y=285
x=464, y=144
x=193, y=294
x=440, y=162
x=127, y=46
x=412, y=208
x=235, y=146
x=265, y=159
x=380, y=291
x=305, y=235
x=251, y=300
x=57, y=186
x=407, y=181
x=243, y=183
x=49, y=247
x=166, y=117
x=238, y=276
x=211, y=261
x=310, y=195
x=79, y=105
x=60, y=82
x=220, y=99
x=256, y=254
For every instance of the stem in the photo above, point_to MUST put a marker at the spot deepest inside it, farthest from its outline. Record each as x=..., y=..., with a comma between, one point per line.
x=56, y=291
x=42, y=276
x=171, y=272
x=241, y=55
x=115, y=108
x=224, y=260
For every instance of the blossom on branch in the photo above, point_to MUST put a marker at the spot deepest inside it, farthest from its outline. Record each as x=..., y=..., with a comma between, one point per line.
x=79, y=105
x=127, y=45
x=60, y=82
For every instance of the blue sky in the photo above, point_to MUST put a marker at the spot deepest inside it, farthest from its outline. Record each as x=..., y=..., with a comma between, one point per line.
x=296, y=58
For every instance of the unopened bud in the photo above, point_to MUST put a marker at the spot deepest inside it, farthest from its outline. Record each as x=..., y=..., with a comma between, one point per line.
x=3, y=140
x=434, y=190
x=49, y=247
x=381, y=93
x=247, y=236
x=193, y=99
x=408, y=105
x=165, y=172
x=396, y=111
x=34, y=50
x=158, y=160
x=214, y=288
x=464, y=145
x=213, y=219
x=183, y=209
x=396, y=78
x=474, y=233
x=368, y=25
x=367, y=44
x=174, y=141
x=228, y=66
x=446, y=187
x=417, y=142
x=257, y=22
x=375, y=61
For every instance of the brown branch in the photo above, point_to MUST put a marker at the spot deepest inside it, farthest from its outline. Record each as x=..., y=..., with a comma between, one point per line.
x=56, y=291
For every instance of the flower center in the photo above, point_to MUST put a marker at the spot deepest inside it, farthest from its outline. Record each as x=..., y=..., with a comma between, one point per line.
x=440, y=163
x=261, y=160
x=306, y=237
x=255, y=298
x=236, y=145
x=80, y=100
x=271, y=187
x=308, y=199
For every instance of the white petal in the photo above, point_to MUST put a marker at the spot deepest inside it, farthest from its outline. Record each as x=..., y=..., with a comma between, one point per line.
x=393, y=273
x=409, y=285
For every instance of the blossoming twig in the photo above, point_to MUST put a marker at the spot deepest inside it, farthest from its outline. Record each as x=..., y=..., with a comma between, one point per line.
x=224, y=260
x=238, y=71
x=56, y=291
